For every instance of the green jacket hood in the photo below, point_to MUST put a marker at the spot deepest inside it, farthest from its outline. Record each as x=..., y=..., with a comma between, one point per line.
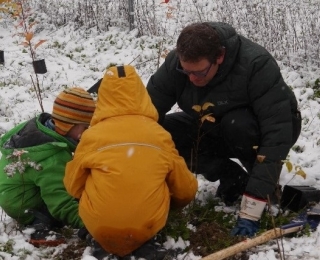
x=38, y=141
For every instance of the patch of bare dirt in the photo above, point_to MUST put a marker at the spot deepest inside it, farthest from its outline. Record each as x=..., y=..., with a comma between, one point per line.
x=210, y=238
x=73, y=251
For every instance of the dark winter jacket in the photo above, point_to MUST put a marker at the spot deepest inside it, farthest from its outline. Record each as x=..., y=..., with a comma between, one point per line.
x=249, y=77
x=33, y=188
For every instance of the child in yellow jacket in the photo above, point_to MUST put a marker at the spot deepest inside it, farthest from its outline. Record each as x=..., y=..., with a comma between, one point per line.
x=126, y=170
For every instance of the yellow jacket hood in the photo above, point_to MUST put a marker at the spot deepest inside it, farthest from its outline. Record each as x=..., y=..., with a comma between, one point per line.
x=122, y=93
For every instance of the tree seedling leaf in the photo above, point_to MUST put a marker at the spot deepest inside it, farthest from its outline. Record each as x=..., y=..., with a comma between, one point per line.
x=25, y=44
x=297, y=168
x=206, y=105
x=169, y=15
x=302, y=174
x=208, y=117
x=5, y=10
x=211, y=119
x=289, y=166
x=196, y=108
x=29, y=36
x=39, y=43
x=31, y=25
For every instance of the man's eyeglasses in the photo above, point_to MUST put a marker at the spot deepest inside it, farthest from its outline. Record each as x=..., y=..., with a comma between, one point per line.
x=199, y=74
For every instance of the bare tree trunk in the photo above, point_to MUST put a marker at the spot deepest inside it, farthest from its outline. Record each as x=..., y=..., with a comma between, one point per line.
x=131, y=14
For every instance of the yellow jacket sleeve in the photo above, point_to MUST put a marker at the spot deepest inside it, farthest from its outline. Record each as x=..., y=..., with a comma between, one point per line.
x=75, y=177
x=181, y=182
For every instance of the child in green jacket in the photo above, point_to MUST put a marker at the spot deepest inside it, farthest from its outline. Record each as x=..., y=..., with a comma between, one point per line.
x=34, y=156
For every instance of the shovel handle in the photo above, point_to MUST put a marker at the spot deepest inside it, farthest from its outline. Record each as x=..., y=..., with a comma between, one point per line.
x=248, y=243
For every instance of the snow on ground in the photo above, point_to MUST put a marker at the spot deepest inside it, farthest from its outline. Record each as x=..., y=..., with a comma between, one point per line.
x=78, y=57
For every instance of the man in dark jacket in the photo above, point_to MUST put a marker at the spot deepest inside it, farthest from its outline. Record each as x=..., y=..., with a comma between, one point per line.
x=235, y=104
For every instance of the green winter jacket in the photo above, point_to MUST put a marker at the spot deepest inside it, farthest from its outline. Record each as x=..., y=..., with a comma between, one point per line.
x=34, y=189
x=249, y=77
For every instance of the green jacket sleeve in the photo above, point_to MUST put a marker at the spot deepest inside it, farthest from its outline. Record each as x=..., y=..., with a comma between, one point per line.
x=60, y=204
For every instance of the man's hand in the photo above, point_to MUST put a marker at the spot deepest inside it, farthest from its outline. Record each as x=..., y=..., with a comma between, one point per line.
x=250, y=212
x=245, y=227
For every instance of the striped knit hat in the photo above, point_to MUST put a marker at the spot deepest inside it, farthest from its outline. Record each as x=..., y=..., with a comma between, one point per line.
x=72, y=106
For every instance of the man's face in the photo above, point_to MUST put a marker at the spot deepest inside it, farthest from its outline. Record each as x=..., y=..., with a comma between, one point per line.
x=202, y=71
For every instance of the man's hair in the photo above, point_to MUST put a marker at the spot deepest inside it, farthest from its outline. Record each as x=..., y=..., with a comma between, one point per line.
x=198, y=41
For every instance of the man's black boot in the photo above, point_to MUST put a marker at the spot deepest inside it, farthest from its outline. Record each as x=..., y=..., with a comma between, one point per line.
x=233, y=183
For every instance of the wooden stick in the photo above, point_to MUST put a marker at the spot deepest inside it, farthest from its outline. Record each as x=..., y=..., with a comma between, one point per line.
x=248, y=243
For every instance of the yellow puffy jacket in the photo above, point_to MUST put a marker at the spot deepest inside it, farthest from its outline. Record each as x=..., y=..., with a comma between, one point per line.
x=126, y=170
